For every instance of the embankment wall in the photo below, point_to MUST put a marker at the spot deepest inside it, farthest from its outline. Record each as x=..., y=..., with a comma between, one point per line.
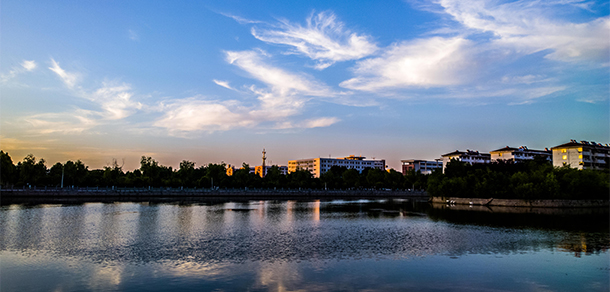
x=521, y=203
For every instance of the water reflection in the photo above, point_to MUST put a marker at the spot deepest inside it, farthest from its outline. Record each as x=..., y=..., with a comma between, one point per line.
x=282, y=245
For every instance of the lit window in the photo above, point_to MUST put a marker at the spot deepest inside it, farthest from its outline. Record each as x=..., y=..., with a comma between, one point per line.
x=580, y=156
x=565, y=157
x=580, y=149
x=564, y=150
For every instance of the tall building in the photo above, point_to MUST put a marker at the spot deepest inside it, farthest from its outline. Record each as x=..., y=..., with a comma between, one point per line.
x=582, y=155
x=518, y=154
x=471, y=157
x=423, y=166
x=318, y=166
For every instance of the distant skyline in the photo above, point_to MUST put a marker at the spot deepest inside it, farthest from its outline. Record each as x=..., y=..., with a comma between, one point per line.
x=212, y=81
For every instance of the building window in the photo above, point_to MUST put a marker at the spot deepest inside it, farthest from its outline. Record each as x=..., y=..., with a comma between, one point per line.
x=564, y=150
x=580, y=156
x=564, y=157
x=580, y=149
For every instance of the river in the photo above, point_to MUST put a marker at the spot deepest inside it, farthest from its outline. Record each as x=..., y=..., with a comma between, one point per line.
x=304, y=245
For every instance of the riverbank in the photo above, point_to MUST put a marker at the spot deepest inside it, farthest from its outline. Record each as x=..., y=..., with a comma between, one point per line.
x=10, y=196
x=521, y=202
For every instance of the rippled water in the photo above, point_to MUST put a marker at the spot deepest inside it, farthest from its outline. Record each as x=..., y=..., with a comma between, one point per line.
x=364, y=245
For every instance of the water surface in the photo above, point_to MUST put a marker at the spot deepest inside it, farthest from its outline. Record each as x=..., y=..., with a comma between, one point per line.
x=340, y=245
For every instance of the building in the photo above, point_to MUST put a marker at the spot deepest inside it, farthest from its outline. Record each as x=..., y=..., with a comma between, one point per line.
x=471, y=157
x=423, y=166
x=258, y=170
x=230, y=170
x=582, y=155
x=518, y=154
x=318, y=166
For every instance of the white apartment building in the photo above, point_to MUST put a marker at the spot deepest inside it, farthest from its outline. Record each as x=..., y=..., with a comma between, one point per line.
x=424, y=166
x=518, y=154
x=318, y=166
x=472, y=157
x=582, y=155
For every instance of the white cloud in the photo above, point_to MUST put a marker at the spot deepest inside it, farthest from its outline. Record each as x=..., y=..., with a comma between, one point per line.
x=526, y=79
x=323, y=39
x=115, y=100
x=279, y=80
x=307, y=124
x=222, y=83
x=194, y=114
x=28, y=65
x=75, y=122
x=320, y=122
x=69, y=79
x=529, y=27
x=25, y=66
x=425, y=62
x=279, y=102
x=240, y=19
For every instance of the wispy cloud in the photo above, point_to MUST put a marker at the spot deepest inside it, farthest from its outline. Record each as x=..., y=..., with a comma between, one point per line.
x=526, y=79
x=276, y=78
x=286, y=92
x=28, y=65
x=529, y=27
x=280, y=101
x=324, y=39
x=68, y=78
x=25, y=66
x=320, y=122
x=307, y=124
x=112, y=101
x=74, y=122
x=196, y=114
x=133, y=35
x=425, y=63
x=529, y=96
x=222, y=83
x=239, y=19
x=115, y=100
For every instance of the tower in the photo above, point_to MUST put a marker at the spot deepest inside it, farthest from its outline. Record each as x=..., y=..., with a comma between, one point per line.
x=263, y=171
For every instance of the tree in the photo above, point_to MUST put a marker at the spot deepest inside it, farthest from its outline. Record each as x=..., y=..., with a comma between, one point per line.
x=31, y=172
x=216, y=176
x=113, y=174
x=351, y=178
x=7, y=169
x=186, y=173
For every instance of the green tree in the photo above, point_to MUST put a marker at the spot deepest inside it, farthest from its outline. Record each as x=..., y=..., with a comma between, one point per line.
x=31, y=172
x=7, y=169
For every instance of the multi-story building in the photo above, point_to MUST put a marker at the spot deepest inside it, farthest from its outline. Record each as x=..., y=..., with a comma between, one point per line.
x=472, y=157
x=424, y=166
x=582, y=155
x=258, y=170
x=318, y=166
x=518, y=154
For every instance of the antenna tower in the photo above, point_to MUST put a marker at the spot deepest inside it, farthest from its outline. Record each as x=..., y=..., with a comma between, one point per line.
x=264, y=158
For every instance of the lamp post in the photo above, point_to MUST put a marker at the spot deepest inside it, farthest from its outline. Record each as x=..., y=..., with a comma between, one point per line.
x=63, y=166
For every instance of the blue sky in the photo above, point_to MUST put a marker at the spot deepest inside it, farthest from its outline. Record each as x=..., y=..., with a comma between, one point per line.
x=212, y=81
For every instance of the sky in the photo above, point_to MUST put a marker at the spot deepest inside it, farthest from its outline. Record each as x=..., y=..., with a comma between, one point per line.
x=218, y=81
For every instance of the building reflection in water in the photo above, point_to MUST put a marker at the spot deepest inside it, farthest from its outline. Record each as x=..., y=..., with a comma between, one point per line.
x=316, y=210
x=276, y=245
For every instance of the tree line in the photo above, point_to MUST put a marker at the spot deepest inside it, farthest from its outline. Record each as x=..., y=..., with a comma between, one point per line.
x=536, y=179
x=31, y=172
